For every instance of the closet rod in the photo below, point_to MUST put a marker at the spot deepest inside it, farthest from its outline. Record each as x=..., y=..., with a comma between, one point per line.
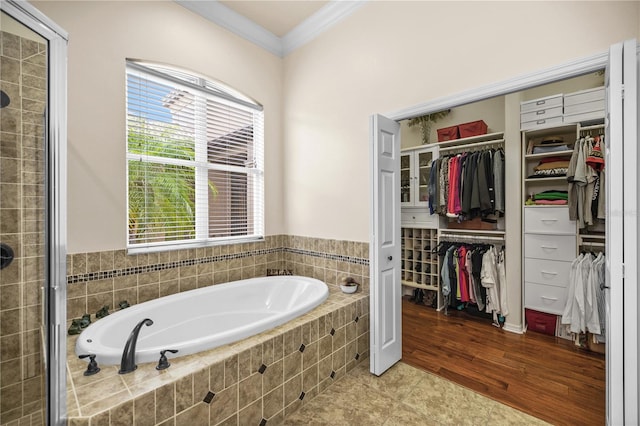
x=594, y=127
x=592, y=243
x=592, y=237
x=471, y=145
x=462, y=237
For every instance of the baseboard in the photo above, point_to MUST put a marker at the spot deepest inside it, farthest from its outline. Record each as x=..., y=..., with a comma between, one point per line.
x=514, y=328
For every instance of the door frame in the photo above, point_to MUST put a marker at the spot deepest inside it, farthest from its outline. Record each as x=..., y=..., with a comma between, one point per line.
x=553, y=74
x=55, y=290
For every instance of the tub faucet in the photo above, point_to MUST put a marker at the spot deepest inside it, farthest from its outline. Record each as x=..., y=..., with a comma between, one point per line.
x=128, y=363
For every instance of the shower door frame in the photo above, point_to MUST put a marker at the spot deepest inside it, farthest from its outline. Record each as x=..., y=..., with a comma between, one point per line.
x=55, y=290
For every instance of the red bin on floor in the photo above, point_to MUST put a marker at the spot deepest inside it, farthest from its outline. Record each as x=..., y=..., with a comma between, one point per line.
x=540, y=322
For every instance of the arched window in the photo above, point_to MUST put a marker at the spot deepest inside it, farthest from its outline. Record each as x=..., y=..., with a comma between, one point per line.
x=195, y=161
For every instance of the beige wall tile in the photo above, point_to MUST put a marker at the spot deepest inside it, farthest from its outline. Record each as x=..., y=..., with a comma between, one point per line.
x=165, y=402
x=251, y=415
x=224, y=404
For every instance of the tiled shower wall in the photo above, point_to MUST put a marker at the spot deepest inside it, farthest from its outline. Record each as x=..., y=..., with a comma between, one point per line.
x=23, y=79
x=106, y=278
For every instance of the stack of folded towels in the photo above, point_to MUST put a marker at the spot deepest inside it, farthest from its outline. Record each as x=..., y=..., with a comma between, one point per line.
x=551, y=167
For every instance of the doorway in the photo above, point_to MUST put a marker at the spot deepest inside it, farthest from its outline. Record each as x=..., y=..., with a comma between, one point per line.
x=614, y=95
x=32, y=206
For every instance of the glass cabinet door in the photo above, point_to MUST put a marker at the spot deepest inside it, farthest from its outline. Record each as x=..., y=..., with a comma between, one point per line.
x=405, y=179
x=424, y=170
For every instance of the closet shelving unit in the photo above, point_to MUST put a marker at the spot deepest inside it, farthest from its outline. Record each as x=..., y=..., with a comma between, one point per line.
x=534, y=185
x=419, y=264
x=551, y=241
x=419, y=267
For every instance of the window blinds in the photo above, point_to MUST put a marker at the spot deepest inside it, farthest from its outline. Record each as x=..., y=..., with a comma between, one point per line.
x=195, y=161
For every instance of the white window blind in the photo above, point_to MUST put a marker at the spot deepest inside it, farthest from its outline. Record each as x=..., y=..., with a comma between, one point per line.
x=195, y=160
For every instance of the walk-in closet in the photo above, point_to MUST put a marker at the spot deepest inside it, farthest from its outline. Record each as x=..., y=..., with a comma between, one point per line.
x=503, y=236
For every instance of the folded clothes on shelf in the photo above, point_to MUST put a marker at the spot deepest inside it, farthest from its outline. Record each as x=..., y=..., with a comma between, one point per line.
x=551, y=194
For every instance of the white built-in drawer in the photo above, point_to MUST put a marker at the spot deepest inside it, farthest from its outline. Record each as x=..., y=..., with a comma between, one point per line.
x=542, y=103
x=549, y=272
x=542, y=122
x=418, y=218
x=548, y=220
x=583, y=96
x=593, y=106
x=545, y=298
x=551, y=247
x=584, y=116
x=541, y=114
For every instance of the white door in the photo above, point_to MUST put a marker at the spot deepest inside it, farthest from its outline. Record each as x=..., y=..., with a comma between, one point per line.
x=630, y=137
x=385, y=288
x=622, y=238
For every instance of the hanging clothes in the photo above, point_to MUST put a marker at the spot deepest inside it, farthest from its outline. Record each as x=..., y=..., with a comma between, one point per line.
x=585, y=307
x=585, y=177
x=474, y=274
x=469, y=185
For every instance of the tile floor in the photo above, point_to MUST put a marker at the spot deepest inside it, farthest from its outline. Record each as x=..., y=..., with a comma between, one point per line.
x=404, y=396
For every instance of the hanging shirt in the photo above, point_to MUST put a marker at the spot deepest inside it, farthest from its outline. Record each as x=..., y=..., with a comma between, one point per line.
x=502, y=283
x=498, y=176
x=591, y=306
x=567, y=314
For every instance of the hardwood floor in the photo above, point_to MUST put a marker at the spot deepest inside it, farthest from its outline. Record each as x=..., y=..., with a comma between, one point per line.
x=543, y=376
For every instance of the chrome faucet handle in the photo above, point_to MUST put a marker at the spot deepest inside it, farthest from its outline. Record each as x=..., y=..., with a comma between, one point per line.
x=163, y=363
x=93, y=365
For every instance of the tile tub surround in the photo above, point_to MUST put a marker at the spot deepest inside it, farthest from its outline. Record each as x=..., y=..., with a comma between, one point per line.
x=263, y=378
x=106, y=278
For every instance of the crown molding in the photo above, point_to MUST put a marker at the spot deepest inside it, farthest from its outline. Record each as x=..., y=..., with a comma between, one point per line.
x=318, y=23
x=220, y=14
x=306, y=31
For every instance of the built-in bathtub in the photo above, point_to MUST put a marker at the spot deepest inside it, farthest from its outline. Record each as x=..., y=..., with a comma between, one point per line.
x=262, y=377
x=203, y=319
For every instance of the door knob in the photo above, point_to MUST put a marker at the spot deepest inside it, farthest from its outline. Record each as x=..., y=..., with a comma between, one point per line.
x=390, y=258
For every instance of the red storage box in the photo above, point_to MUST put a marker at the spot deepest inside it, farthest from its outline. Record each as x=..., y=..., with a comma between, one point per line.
x=448, y=133
x=473, y=128
x=541, y=322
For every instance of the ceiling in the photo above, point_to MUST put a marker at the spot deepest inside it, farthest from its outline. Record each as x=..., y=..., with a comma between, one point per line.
x=278, y=17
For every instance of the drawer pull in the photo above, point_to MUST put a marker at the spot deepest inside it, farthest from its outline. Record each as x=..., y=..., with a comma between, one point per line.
x=541, y=121
x=548, y=220
x=549, y=248
x=542, y=111
x=549, y=298
x=541, y=102
x=548, y=273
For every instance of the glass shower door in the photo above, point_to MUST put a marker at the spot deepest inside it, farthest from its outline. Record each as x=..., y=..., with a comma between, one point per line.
x=32, y=241
x=23, y=95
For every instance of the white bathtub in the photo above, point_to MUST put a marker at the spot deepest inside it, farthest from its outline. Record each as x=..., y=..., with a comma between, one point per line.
x=202, y=319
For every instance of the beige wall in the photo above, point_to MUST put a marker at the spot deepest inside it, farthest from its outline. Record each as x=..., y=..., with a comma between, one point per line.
x=392, y=55
x=491, y=111
x=101, y=36
x=384, y=57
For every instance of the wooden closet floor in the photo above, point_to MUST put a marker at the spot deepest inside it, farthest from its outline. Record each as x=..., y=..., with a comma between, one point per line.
x=544, y=376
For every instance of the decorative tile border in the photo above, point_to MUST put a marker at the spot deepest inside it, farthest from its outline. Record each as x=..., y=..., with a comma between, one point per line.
x=95, y=276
